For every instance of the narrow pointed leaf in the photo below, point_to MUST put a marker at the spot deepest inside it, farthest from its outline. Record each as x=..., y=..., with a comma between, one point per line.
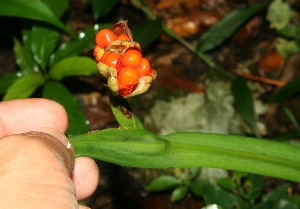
x=35, y=10
x=77, y=120
x=24, y=86
x=225, y=27
x=147, y=32
x=103, y=7
x=73, y=66
x=291, y=89
x=58, y=7
x=244, y=103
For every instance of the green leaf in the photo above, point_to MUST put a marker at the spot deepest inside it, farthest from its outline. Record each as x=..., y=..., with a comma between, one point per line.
x=278, y=193
x=277, y=199
x=194, y=172
x=290, y=31
x=226, y=183
x=291, y=89
x=73, y=66
x=225, y=27
x=244, y=103
x=279, y=204
x=7, y=80
x=212, y=206
x=215, y=195
x=84, y=41
x=279, y=14
x=77, y=120
x=197, y=187
x=255, y=185
x=286, y=48
x=58, y=7
x=163, y=183
x=24, y=86
x=147, y=32
x=124, y=115
x=24, y=59
x=103, y=7
x=35, y=10
x=179, y=193
x=44, y=41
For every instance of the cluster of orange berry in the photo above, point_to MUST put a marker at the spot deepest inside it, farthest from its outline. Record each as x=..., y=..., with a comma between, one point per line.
x=119, y=59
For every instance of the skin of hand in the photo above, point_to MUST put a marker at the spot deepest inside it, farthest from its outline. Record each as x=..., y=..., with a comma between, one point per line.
x=33, y=175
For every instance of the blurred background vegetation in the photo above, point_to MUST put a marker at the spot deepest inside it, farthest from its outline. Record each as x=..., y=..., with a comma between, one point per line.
x=224, y=66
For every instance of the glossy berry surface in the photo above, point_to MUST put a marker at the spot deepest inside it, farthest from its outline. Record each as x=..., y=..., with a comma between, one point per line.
x=111, y=59
x=144, y=68
x=127, y=77
x=132, y=58
x=104, y=38
x=123, y=37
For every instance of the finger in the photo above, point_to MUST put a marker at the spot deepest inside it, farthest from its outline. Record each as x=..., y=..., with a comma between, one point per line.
x=18, y=116
x=85, y=177
x=83, y=207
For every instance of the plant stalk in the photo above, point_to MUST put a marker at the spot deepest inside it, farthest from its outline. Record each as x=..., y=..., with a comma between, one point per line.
x=144, y=149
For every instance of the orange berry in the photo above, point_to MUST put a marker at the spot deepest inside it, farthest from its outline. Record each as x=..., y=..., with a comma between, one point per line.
x=132, y=58
x=127, y=77
x=123, y=37
x=111, y=59
x=104, y=37
x=144, y=68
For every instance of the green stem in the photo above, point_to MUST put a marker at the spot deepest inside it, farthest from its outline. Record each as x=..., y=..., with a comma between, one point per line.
x=141, y=148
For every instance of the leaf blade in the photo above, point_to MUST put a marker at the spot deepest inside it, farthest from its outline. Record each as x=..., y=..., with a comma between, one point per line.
x=84, y=41
x=244, y=103
x=7, y=80
x=23, y=58
x=103, y=7
x=73, y=66
x=77, y=120
x=225, y=27
x=163, y=183
x=43, y=42
x=147, y=32
x=24, y=86
x=36, y=10
x=291, y=89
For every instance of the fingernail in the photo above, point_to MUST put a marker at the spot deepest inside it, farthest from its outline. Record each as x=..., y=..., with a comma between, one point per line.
x=58, y=142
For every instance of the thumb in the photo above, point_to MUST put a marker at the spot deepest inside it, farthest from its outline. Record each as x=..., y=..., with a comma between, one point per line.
x=35, y=171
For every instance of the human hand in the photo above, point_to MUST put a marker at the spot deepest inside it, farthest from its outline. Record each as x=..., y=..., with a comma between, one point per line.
x=34, y=173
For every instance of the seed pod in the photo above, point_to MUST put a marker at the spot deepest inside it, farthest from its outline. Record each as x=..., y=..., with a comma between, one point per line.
x=121, y=45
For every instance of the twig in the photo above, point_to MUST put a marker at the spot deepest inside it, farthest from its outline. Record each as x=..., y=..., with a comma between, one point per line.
x=262, y=79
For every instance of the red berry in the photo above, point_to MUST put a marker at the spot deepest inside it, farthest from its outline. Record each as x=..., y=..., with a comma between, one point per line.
x=132, y=58
x=144, y=68
x=104, y=37
x=127, y=77
x=123, y=37
x=111, y=59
